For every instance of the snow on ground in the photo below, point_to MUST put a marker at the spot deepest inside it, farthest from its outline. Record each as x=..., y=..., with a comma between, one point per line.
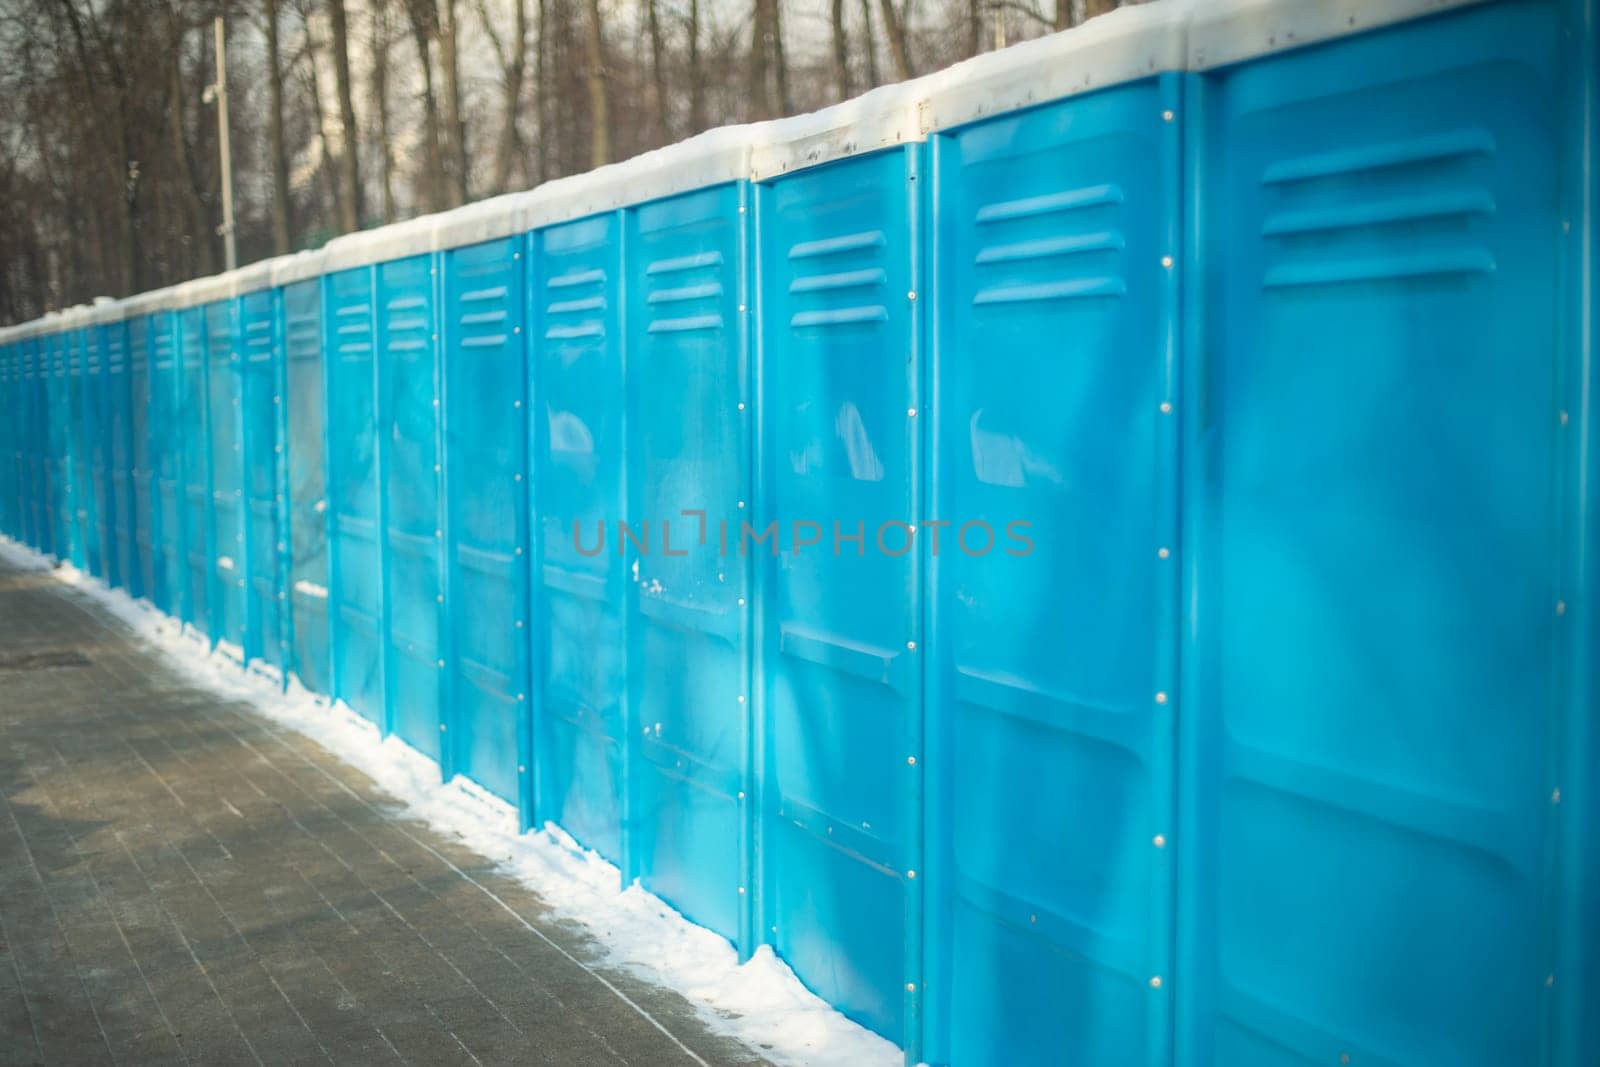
x=761, y=1003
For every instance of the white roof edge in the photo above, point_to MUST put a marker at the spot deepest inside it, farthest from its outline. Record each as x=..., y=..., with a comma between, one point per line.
x=1125, y=45
x=1232, y=31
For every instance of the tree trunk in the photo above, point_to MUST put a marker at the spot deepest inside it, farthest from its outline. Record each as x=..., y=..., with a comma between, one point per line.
x=199, y=222
x=658, y=73
x=760, y=50
x=349, y=168
x=873, y=78
x=780, y=65
x=894, y=27
x=382, y=42
x=422, y=29
x=511, y=149
x=282, y=238
x=450, y=60
x=841, y=52
x=541, y=87
x=329, y=165
x=1091, y=8
x=697, y=81
x=599, y=110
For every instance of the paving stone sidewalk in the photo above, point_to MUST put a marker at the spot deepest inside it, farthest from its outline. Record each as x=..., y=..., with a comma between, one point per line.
x=182, y=880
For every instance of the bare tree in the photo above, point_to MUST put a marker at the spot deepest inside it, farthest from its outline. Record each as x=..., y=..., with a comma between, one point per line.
x=658, y=73
x=841, y=52
x=894, y=28
x=282, y=226
x=513, y=58
x=382, y=46
x=456, y=131
x=424, y=25
x=873, y=78
x=349, y=168
x=599, y=108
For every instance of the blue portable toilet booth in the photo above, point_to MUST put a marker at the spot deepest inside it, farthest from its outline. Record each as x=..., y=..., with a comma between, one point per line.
x=1088, y=555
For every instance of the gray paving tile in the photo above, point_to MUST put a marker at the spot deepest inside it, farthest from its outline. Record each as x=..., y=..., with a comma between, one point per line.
x=183, y=881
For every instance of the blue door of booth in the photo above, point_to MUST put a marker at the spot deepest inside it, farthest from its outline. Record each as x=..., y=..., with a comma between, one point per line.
x=354, y=496
x=580, y=738
x=307, y=455
x=486, y=470
x=841, y=616
x=261, y=400
x=230, y=555
x=409, y=410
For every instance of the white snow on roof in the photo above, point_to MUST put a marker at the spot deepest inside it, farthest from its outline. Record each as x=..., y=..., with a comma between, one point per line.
x=1129, y=43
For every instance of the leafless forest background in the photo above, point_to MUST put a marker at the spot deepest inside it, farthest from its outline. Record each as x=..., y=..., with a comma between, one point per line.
x=348, y=114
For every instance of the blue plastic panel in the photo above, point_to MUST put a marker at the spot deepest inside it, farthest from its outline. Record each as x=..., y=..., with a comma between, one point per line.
x=581, y=722
x=96, y=415
x=195, y=468
x=34, y=442
x=141, y=478
x=409, y=410
x=688, y=450
x=261, y=402
x=486, y=434
x=841, y=619
x=169, y=553
x=1375, y=588
x=356, y=600
x=1046, y=586
x=63, y=508
x=82, y=514
x=307, y=457
x=121, y=566
x=10, y=441
x=230, y=550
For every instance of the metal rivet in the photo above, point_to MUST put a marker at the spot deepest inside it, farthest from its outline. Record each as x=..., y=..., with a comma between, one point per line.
x=1563, y=418
x=741, y=698
x=911, y=413
x=516, y=477
x=519, y=550
x=912, y=875
x=1162, y=553
x=516, y=403
x=521, y=769
x=441, y=727
x=1155, y=982
x=911, y=761
x=741, y=794
x=522, y=696
x=440, y=598
x=1161, y=698
x=1344, y=1057
x=912, y=295
x=741, y=602
x=1166, y=261
x=1160, y=841
x=1549, y=980
x=441, y=663
x=741, y=890
x=911, y=646
x=1166, y=116
x=1555, y=796
x=741, y=503
x=741, y=307
x=516, y=329
x=1166, y=407
x=1561, y=607
x=911, y=987
x=741, y=405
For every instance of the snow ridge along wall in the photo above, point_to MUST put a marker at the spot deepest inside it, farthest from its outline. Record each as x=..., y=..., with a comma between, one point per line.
x=1271, y=737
